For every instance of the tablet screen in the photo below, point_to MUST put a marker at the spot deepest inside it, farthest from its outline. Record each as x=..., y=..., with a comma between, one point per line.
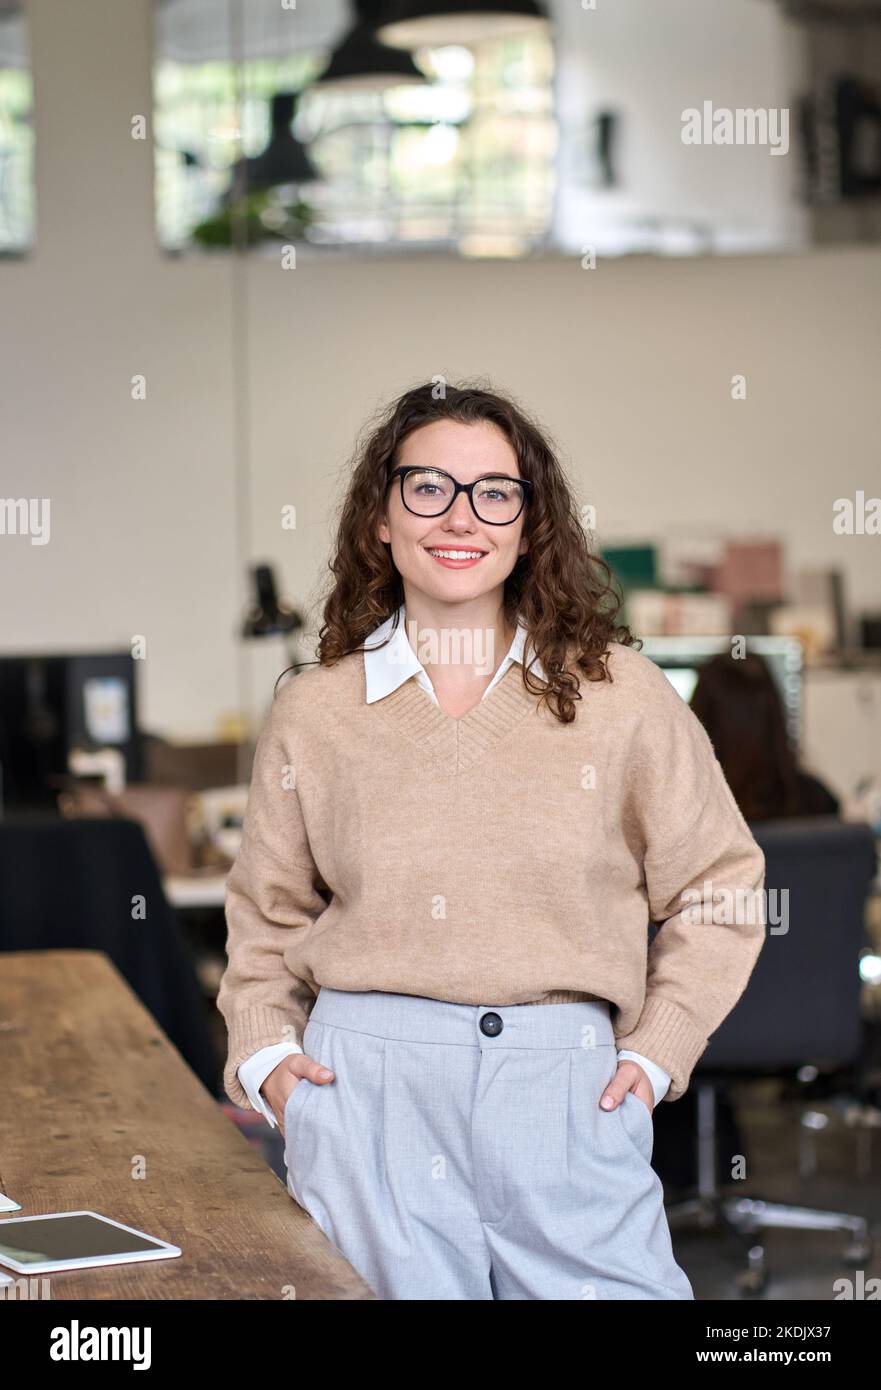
x=37, y=1239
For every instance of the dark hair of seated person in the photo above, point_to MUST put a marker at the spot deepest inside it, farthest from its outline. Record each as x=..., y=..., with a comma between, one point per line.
x=737, y=701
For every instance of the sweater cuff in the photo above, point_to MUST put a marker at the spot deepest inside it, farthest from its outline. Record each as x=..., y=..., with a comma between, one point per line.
x=667, y=1035
x=249, y=1031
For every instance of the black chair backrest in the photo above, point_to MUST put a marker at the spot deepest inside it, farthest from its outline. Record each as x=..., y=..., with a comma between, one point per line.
x=802, y=1002
x=68, y=884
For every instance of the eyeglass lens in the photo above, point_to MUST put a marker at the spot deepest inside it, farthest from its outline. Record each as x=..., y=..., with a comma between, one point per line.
x=495, y=499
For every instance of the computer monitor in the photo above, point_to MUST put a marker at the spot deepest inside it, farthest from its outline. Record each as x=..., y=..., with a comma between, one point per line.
x=680, y=658
x=51, y=704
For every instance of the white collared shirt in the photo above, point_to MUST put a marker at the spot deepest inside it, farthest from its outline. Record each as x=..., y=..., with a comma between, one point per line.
x=386, y=668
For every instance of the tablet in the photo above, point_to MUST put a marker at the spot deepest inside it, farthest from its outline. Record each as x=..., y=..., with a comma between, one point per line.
x=74, y=1240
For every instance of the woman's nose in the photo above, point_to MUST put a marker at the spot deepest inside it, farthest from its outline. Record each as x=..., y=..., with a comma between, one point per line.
x=461, y=510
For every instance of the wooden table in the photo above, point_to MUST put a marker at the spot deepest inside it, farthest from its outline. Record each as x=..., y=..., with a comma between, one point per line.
x=94, y=1096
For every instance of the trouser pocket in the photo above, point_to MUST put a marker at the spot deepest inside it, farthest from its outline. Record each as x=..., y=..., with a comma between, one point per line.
x=638, y=1124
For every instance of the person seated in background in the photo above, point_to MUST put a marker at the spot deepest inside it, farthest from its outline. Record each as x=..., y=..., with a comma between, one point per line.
x=737, y=701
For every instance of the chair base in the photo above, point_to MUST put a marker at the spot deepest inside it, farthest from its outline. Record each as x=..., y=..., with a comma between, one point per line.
x=747, y=1217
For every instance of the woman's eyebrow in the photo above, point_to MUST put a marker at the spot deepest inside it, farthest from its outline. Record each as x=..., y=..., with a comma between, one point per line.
x=490, y=473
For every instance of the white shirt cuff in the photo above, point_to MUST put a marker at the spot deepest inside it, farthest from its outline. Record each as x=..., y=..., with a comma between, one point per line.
x=255, y=1069
x=657, y=1076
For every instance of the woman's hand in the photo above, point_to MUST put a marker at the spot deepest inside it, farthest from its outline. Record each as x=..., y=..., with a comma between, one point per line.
x=278, y=1085
x=629, y=1077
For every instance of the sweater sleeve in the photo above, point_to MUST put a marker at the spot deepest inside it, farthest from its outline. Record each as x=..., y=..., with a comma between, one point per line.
x=272, y=891
x=704, y=880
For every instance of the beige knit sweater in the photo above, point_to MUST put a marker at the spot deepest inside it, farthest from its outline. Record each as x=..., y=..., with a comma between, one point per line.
x=499, y=858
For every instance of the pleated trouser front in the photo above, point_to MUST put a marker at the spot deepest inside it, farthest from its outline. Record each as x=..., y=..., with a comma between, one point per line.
x=460, y=1152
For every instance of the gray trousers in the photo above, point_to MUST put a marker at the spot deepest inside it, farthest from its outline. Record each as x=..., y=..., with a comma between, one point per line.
x=460, y=1152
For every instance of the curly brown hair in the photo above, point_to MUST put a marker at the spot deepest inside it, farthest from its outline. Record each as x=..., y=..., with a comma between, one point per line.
x=738, y=702
x=562, y=592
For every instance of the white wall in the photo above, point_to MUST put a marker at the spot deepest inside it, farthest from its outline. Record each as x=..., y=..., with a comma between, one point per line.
x=629, y=366
x=649, y=63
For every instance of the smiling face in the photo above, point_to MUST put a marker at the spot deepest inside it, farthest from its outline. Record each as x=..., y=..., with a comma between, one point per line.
x=483, y=554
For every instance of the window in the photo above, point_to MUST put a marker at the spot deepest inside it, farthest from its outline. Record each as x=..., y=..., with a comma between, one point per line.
x=197, y=138
x=464, y=161
x=17, y=195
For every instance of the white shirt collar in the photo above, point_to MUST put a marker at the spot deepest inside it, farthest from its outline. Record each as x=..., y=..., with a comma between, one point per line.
x=388, y=667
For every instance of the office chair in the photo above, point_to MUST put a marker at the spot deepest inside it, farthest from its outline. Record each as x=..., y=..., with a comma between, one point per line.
x=801, y=1006
x=70, y=883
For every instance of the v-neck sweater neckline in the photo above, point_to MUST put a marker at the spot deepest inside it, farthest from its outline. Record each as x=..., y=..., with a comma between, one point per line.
x=456, y=744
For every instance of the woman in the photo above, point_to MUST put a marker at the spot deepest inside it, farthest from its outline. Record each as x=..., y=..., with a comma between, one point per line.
x=458, y=850
x=737, y=701
x=739, y=705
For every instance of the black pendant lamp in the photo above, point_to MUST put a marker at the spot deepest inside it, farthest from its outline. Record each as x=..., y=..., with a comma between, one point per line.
x=361, y=63
x=429, y=24
x=284, y=159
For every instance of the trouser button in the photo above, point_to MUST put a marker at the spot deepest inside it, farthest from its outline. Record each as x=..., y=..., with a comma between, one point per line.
x=491, y=1025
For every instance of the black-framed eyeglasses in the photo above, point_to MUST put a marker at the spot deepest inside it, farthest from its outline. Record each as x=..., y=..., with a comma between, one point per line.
x=495, y=498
